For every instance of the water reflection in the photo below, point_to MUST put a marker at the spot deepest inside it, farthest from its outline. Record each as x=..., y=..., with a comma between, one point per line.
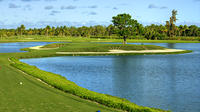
x=171, y=45
x=126, y=79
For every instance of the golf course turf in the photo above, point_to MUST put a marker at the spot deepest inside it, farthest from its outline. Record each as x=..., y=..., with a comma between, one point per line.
x=22, y=92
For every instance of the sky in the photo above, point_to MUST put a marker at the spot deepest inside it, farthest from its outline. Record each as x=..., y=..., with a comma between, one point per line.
x=39, y=13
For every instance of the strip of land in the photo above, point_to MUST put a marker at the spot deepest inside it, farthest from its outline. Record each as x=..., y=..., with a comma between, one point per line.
x=101, y=49
x=114, y=51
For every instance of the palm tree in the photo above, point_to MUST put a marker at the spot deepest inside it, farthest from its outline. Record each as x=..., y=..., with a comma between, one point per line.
x=21, y=29
x=47, y=29
x=185, y=27
x=171, y=24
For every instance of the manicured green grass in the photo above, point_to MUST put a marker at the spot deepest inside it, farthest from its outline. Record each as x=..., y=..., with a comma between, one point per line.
x=35, y=38
x=35, y=96
x=96, y=47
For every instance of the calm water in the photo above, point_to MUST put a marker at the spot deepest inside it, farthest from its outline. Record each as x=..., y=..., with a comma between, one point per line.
x=15, y=47
x=163, y=81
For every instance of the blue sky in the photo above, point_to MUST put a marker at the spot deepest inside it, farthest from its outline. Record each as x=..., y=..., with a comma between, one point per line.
x=39, y=13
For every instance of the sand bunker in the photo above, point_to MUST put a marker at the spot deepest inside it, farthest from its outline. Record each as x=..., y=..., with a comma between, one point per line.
x=124, y=51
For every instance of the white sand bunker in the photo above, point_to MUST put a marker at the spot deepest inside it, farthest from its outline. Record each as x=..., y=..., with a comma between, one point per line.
x=40, y=48
x=125, y=51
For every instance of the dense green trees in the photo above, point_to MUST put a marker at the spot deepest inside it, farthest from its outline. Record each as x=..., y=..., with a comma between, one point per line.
x=153, y=32
x=123, y=27
x=193, y=31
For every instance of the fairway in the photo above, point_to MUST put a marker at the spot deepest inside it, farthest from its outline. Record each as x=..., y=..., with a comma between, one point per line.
x=105, y=56
x=34, y=96
x=23, y=92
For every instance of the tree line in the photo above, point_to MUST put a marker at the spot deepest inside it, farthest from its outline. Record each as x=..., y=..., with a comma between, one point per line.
x=123, y=27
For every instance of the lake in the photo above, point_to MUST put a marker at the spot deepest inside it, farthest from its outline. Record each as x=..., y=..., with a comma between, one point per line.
x=170, y=82
x=16, y=46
